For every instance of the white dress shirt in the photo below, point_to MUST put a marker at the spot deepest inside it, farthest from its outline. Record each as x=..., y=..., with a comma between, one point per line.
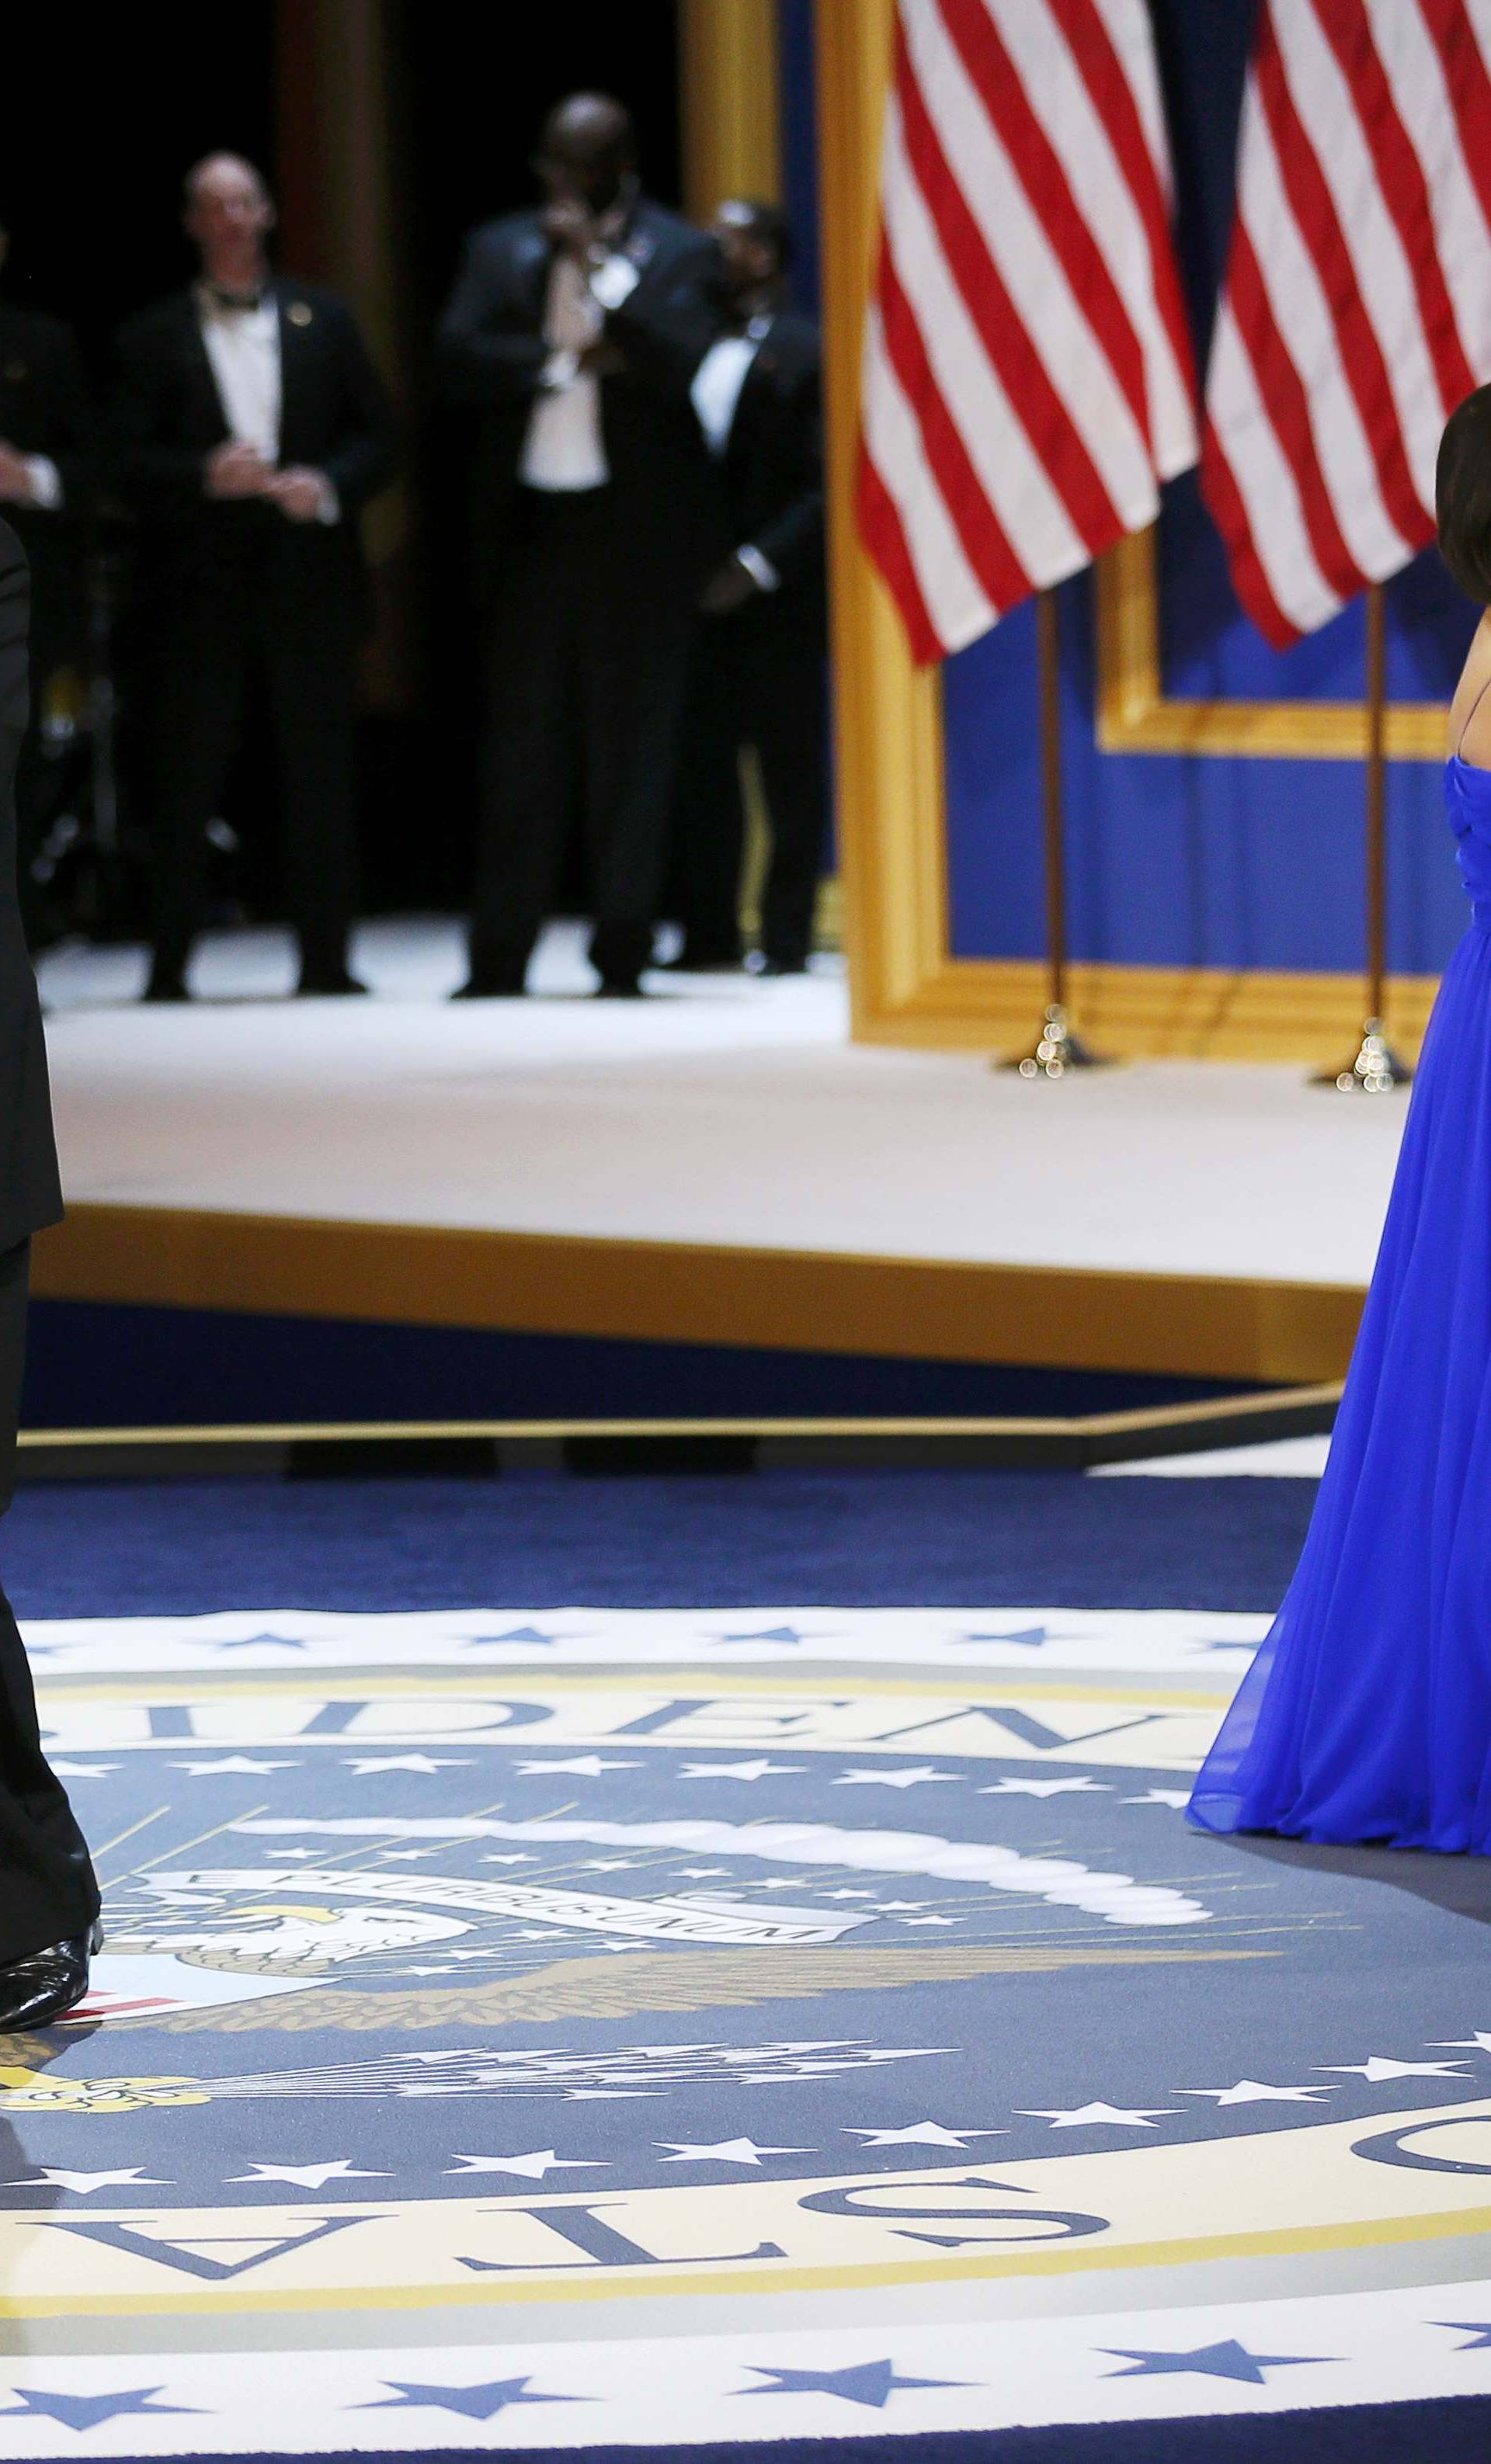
x=242, y=345
x=46, y=483
x=563, y=451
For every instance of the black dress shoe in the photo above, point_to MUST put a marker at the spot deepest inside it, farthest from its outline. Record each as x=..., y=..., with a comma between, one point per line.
x=620, y=988
x=165, y=986
x=37, y=1989
x=490, y=988
x=783, y=967
x=322, y=987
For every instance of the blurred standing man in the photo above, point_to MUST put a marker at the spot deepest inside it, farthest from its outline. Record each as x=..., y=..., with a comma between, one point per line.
x=757, y=670
x=49, y=1900
x=251, y=428
x=46, y=486
x=575, y=331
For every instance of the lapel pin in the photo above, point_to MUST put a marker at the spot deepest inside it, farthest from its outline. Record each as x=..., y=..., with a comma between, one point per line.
x=297, y=313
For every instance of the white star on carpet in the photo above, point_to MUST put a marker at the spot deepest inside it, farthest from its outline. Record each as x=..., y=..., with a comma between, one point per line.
x=82, y=2185
x=846, y=1895
x=1257, y=2092
x=895, y=1907
x=701, y=1873
x=1177, y=1798
x=728, y=2151
x=1377, y=2067
x=586, y=1765
x=923, y=2134
x=84, y=1770
x=927, y=1921
x=311, y=2177
x=1046, y=1788
x=761, y=1768
x=1081, y=2117
x=532, y=2167
x=360, y=1764
x=890, y=1779
x=521, y=1859
x=1478, y=2043
x=230, y=1762
x=610, y=1866
x=407, y=1856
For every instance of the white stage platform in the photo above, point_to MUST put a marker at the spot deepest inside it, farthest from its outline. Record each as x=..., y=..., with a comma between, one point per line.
x=724, y=1119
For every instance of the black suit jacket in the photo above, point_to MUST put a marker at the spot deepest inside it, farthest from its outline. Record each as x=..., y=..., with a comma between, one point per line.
x=168, y=417
x=30, y=1196
x=771, y=471
x=492, y=351
x=45, y=408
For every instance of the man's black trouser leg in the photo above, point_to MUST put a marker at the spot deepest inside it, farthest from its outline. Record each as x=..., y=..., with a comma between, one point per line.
x=47, y=1888
x=310, y=674
x=547, y=564
x=197, y=703
x=788, y=724
x=633, y=651
x=709, y=823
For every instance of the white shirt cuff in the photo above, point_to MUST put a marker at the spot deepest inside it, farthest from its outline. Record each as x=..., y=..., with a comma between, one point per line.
x=46, y=483
x=763, y=572
x=559, y=370
x=613, y=280
x=329, y=509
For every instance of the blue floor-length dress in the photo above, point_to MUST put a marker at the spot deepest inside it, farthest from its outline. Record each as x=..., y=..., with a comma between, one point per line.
x=1366, y=1714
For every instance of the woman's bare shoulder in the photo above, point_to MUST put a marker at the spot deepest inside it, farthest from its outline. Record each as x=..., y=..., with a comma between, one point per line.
x=1470, y=711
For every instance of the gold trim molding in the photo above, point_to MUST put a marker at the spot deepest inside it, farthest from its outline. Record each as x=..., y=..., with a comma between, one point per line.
x=1135, y=714
x=1259, y=1330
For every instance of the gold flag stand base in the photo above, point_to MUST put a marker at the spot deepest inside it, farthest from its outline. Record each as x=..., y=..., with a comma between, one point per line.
x=1376, y=1069
x=1058, y=1052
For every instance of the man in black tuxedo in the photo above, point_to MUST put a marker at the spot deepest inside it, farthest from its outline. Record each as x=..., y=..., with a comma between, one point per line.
x=46, y=489
x=574, y=332
x=250, y=429
x=758, y=663
x=49, y=1900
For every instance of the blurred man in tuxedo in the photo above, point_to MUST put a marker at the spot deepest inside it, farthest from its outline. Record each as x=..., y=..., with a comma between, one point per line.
x=46, y=488
x=757, y=666
x=574, y=330
x=758, y=660
x=250, y=429
x=49, y=1900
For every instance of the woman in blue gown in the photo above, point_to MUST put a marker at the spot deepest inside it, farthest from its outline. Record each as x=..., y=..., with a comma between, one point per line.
x=1366, y=1714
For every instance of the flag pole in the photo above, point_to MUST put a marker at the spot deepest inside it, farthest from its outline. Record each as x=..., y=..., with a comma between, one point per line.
x=1055, y=1049
x=1376, y=1068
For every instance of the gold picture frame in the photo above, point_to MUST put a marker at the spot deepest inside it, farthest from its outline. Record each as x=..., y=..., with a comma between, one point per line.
x=905, y=987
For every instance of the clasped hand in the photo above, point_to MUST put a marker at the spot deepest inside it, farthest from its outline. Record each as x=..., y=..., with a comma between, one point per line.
x=237, y=470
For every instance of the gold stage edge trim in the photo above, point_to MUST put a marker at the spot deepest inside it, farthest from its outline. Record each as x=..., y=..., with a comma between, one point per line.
x=1267, y=1332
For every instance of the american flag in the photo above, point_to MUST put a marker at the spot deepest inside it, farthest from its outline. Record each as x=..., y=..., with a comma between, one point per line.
x=1357, y=310
x=1027, y=374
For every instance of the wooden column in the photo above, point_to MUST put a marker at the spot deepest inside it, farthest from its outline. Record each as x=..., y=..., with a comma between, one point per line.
x=343, y=222
x=729, y=102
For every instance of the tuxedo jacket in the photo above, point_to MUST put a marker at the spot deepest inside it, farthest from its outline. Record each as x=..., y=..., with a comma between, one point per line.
x=492, y=351
x=45, y=407
x=771, y=471
x=30, y=1196
x=168, y=417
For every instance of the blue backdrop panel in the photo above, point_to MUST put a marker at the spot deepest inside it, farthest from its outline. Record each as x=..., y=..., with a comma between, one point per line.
x=1183, y=860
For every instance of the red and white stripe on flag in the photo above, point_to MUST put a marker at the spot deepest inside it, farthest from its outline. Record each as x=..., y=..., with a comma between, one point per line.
x=1027, y=371
x=1357, y=309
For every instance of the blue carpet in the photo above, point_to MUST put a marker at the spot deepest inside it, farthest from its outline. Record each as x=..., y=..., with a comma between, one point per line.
x=859, y=1539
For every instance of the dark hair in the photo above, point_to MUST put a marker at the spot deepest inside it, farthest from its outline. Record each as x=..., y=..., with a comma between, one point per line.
x=1462, y=496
